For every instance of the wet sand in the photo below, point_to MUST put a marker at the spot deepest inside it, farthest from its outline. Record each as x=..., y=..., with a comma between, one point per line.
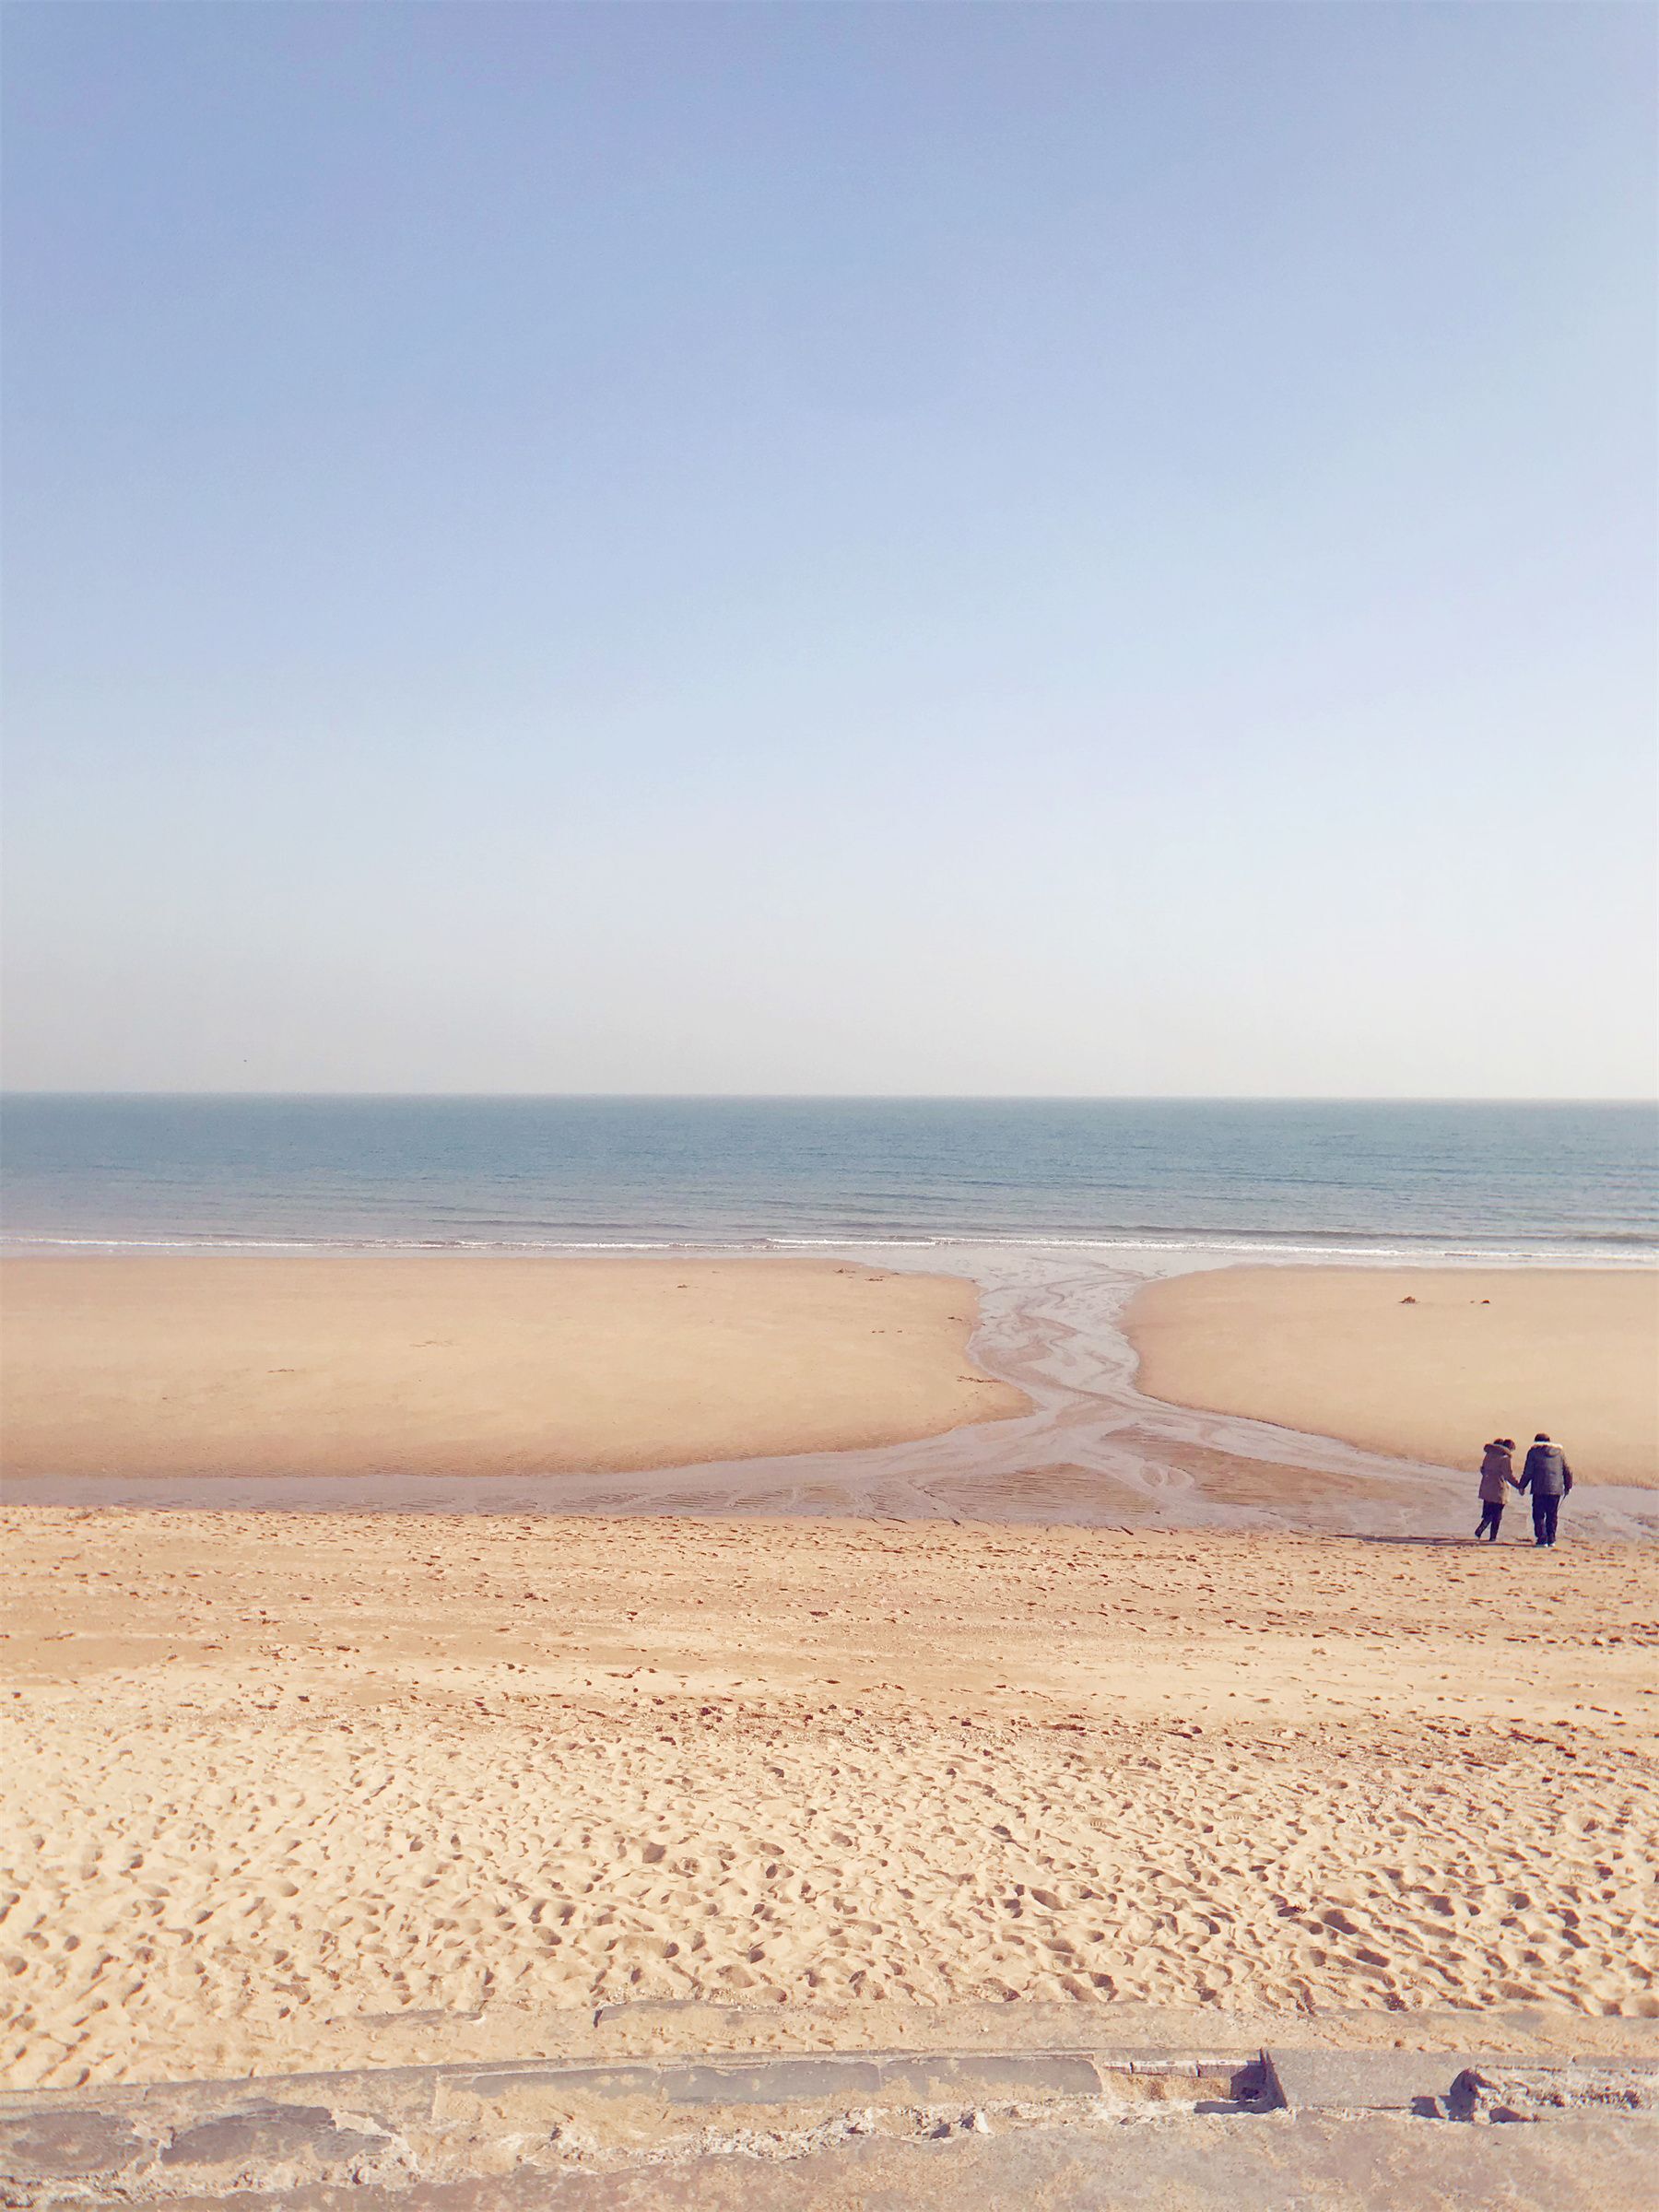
x=1423, y=1363
x=1091, y=1450
x=301, y=1790
x=179, y=1368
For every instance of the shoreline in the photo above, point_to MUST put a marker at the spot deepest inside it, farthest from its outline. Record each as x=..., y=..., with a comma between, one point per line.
x=1093, y=1449
x=1261, y=1249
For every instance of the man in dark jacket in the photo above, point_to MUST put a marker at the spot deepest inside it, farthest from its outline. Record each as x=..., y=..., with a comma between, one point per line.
x=1549, y=1478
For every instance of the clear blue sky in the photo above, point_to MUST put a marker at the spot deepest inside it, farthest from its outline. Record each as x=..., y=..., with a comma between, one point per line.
x=869, y=549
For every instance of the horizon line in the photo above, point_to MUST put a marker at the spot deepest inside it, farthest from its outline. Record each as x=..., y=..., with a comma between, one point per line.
x=873, y=1098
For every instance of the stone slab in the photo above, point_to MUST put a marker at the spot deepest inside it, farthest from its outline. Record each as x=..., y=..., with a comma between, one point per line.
x=819, y=2079
x=1356, y=2081
x=268, y=2133
x=71, y=2145
x=1417, y=2082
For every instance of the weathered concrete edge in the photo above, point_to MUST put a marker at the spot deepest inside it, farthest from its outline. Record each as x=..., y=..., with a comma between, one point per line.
x=433, y=2136
x=1310, y=2078
x=736, y=2078
x=756, y=2072
x=389, y=2127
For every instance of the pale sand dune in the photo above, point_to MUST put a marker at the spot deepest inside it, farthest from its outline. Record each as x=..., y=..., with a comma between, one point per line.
x=1335, y=1351
x=293, y=1792
x=238, y=1366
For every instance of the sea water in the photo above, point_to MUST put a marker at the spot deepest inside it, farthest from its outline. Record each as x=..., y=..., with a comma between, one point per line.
x=1425, y=1182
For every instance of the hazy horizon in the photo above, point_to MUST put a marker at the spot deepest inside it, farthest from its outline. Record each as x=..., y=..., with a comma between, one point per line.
x=1062, y=552
x=880, y=1097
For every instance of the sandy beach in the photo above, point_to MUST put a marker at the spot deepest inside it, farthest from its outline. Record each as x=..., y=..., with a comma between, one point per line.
x=316, y=1788
x=1424, y=1363
x=306, y=1791
x=296, y=1367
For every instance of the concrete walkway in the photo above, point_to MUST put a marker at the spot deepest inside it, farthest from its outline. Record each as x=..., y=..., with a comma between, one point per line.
x=1223, y=2130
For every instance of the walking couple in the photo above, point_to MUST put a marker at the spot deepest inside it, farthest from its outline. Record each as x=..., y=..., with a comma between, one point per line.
x=1546, y=1475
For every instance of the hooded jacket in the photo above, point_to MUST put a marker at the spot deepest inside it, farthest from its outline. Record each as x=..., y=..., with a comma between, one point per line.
x=1497, y=1475
x=1546, y=1473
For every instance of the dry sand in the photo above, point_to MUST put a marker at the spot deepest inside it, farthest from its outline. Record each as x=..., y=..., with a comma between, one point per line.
x=300, y=1791
x=261, y=1367
x=1423, y=1363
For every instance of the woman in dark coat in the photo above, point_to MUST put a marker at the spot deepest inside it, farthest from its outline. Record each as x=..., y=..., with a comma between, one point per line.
x=1497, y=1479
